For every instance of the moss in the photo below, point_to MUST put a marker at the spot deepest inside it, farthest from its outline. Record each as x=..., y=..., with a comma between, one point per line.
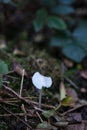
x=34, y=60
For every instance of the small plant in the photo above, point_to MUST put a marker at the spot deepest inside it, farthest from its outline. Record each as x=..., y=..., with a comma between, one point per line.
x=40, y=81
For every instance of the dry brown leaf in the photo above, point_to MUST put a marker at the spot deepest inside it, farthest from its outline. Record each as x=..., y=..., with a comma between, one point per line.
x=83, y=90
x=17, y=52
x=18, y=68
x=77, y=126
x=83, y=74
x=62, y=91
x=74, y=117
x=72, y=93
x=68, y=62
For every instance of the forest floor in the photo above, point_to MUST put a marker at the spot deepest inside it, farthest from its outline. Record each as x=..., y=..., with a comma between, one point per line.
x=64, y=104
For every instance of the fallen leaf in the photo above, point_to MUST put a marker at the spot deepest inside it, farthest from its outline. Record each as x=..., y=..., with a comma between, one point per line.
x=77, y=126
x=17, y=52
x=74, y=117
x=62, y=91
x=18, y=68
x=47, y=114
x=66, y=101
x=83, y=90
x=72, y=93
x=68, y=62
x=83, y=74
x=61, y=124
x=45, y=125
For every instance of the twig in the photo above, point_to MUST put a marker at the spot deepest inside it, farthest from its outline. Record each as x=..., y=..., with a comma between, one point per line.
x=6, y=82
x=39, y=116
x=71, y=82
x=12, y=77
x=16, y=100
x=23, y=108
x=29, y=102
x=17, y=114
x=21, y=89
x=81, y=104
x=17, y=117
x=12, y=91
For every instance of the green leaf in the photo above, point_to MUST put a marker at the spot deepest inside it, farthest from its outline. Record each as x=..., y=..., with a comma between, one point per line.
x=56, y=23
x=82, y=45
x=67, y=2
x=80, y=32
x=39, y=20
x=74, y=52
x=48, y=114
x=59, y=41
x=41, y=13
x=62, y=9
x=38, y=25
x=6, y=1
x=66, y=101
x=44, y=125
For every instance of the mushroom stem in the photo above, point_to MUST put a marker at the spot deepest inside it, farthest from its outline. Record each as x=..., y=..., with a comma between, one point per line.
x=40, y=98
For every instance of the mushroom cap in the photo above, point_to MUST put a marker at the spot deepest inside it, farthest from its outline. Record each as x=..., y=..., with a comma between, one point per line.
x=40, y=81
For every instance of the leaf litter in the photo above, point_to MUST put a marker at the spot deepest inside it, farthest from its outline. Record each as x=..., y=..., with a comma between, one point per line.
x=19, y=99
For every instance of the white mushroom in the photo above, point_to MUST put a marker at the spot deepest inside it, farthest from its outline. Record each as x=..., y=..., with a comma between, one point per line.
x=40, y=81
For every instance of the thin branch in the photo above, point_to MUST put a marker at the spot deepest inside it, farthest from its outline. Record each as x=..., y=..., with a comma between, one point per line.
x=81, y=104
x=29, y=102
x=71, y=82
x=39, y=116
x=17, y=117
x=21, y=89
x=17, y=114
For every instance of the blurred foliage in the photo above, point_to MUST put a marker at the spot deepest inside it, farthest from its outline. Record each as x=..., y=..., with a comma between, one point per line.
x=62, y=22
